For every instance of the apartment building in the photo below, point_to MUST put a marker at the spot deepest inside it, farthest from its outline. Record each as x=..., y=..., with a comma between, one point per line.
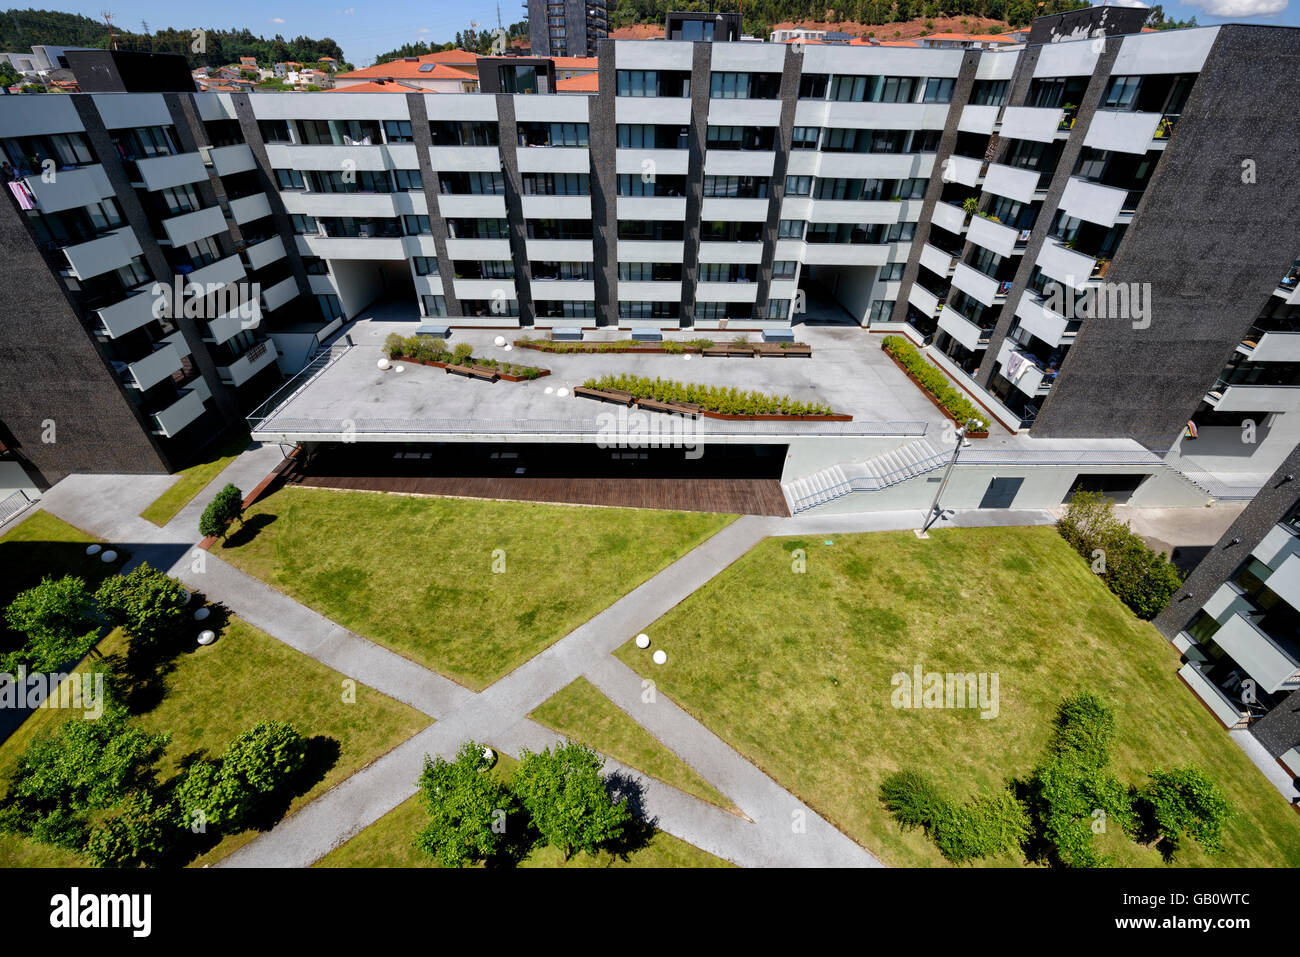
x=953, y=196
x=1237, y=619
x=566, y=27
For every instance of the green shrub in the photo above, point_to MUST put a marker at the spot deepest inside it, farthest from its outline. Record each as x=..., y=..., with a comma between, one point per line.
x=150, y=606
x=952, y=400
x=462, y=352
x=226, y=506
x=393, y=345
x=1185, y=802
x=724, y=400
x=912, y=798
x=674, y=348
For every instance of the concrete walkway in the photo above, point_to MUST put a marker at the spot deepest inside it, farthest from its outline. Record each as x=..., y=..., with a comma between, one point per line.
x=776, y=830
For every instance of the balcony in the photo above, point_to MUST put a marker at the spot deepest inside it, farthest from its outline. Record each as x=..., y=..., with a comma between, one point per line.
x=993, y=236
x=1273, y=662
x=1037, y=124
x=661, y=162
x=1041, y=321
x=130, y=314
x=249, y=209
x=154, y=368
x=1254, y=398
x=649, y=291
x=262, y=254
x=1230, y=713
x=556, y=207
x=721, y=251
x=841, y=254
x=964, y=170
x=465, y=159
x=559, y=250
x=162, y=172
x=217, y=274
x=257, y=358
x=171, y=420
x=978, y=119
x=190, y=227
x=726, y=292
x=651, y=250
x=739, y=163
x=554, y=159
x=489, y=250
x=949, y=217
x=228, y=160
x=1031, y=375
x=1012, y=182
x=1279, y=544
x=485, y=289
x=282, y=292
x=962, y=329
x=71, y=189
x=1094, y=202
x=976, y=285
x=923, y=299
x=1122, y=132
x=356, y=247
x=1066, y=265
x=583, y=290
x=651, y=208
x=937, y=261
x=98, y=256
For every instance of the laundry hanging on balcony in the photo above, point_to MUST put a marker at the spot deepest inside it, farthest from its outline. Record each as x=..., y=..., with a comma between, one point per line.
x=1017, y=365
x=23, y=194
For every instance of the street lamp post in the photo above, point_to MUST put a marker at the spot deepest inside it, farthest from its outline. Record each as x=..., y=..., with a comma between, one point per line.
x=935, y=510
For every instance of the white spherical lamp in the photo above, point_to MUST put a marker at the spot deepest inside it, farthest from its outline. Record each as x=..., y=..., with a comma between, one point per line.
x=108, y=556
x=643, y=641
x=660, y=657
x=202, y=614
x=383, y=363
x=499, y=341
x=94, y=549
x=207, y=637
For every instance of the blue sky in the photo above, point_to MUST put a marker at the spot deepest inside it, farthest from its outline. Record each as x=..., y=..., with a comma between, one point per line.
x=367, y=29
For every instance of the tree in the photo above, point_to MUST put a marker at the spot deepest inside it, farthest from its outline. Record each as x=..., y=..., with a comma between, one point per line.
x=80, y=767
x=226, y=506
x=140, y=836
x=1185, y=802
x=58, y=618
x=255, y=766
x=566, y=798
x=148, y=605
x=8, y=75
x=466, y=807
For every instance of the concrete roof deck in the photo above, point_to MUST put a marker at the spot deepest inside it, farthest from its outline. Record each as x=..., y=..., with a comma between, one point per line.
x=848, y=372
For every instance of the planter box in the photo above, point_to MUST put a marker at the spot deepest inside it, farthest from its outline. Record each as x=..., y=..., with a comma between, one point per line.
x=622, y=398
x=777, y=418
x=680, y=408
x=748, y=350
x=507, y=376
x=935, y=402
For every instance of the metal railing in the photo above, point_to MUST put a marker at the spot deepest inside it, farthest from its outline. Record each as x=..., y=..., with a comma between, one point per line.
x=15, y=503
x=318, y=364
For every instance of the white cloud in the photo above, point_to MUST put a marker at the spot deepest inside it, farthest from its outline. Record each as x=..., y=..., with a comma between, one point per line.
x=422, y=30
x=277, y=19
x=1238, y=8
x=1129, y=3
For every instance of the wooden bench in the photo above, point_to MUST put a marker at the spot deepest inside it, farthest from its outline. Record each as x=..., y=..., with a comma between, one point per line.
x=677, y=408
x=796, y=350
x=473, y=372
x=610, y=395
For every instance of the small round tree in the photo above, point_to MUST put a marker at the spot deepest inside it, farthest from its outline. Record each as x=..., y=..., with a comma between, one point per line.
x=226, y=506
x=58, y=618
x=467, y=808
x=564, y=794
x=148, y=605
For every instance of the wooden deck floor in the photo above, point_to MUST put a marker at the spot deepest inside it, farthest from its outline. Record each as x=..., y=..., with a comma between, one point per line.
x=743, y=496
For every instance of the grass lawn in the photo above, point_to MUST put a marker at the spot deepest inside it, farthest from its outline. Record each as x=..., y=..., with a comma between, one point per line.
x=794, y=671
x=191, y=481
x=389, y=843
x=206, y=696
x=416, y=573
x=581, y=713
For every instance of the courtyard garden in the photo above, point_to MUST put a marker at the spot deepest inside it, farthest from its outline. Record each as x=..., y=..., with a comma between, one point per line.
x=190, y=481
x=469, y=588
x=797, y=669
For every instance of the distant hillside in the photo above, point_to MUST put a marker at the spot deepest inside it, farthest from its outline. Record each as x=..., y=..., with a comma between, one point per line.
x=858, y=17
x=20, y=30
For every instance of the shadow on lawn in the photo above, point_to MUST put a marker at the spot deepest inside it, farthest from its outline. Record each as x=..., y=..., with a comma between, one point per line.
x=248, y=530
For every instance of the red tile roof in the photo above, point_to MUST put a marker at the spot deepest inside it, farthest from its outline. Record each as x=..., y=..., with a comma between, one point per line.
x=453, y=56
x=575, y=62
x=972, y=37
x=587, y=83
x=377, y=86
x=409, y=69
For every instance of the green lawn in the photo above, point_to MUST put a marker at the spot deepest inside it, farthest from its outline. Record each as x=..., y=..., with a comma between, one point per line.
x=416, y=573
x=581, y=713
x=389, y=843
x=191, y=481
x=794, y=670
x=209, y=695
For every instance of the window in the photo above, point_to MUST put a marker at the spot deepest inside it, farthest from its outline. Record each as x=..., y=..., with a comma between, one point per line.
x=564, y=308
x=179, y=199
x=104, y=214
x=417, y=225
x=744, y=86
x=745, y=187
x=552, y=134
x=274, y=131
x=653, y=83
x=911, y=188
x=629, y=309
x=559, y=229
x=546, y=271
x=798, y=185
x=784, y=269
x=478, y=229
x=303, y=225
x=804, y=137
x=790, y=229
x=556, y=184
x=1122, y=93
x=464, y=133
x=881, y=310
x=741, y=137
x=479, y=184
x=778, y=309
x=636, y=184
x=489, y=307
x=408, y=179
x=850, y=88
x=654, y=229
x=648, y=136
x=426, y=265
x=730, y=232
x=812, y=86
x=486, y=269
x=925, y=141
x=330, y=307
x=892, y=272
x=290, y=179
x=398, y=131
x=938, y=90
x=650, y=272
x=989, y=92
x=898, y=89
x=434, y=305
x=728, y=272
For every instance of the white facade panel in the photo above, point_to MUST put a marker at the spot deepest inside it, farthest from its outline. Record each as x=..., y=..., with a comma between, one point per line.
x=161, y=172
x=554, y=159
x=188, y=227
x=1011, y=182
x=1122, y=132
x=1038, y=124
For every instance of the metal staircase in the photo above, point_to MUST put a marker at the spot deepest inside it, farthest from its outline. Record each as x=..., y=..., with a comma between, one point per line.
x=889, y=468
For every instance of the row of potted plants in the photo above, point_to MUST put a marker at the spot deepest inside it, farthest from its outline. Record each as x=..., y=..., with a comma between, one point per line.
x=427, y=350
x=948, y=398
x=735, y=347
x=718, y=400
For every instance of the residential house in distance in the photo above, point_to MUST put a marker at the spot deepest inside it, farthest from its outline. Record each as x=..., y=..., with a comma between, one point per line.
x=328, y=63
x=429, y=72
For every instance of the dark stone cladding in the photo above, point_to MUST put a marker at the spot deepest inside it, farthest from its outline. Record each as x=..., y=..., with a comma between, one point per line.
x=420, y=132
x=509, y=135
x=1055, y=189
x=960, y=97
x=792, y=69
x=603, y=141
x=1278, y=496
x=252, y=134
x=1212, y=247
x=1279, y=730
x=701, y=59
x=51, y=368
x=189, y=325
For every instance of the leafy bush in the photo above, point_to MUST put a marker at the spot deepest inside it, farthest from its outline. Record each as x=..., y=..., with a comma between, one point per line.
x=912, y=798
x=148, y=605
x=58, y=618
x=1185, y=802
x=256, y=765
x=722, y=399
x=463, y=801
x=462, y=352
x=951, y=400
x=565, y=795
x=140, y=836
x=226, y=506
x=986, y=825
x=1139, y=576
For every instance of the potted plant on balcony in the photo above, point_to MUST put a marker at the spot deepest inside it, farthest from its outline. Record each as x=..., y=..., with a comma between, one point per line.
x=970, y=206
x=1100, y=268
x=1070, y=111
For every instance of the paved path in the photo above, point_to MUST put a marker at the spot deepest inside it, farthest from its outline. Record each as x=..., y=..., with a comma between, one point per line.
x=776, y=829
